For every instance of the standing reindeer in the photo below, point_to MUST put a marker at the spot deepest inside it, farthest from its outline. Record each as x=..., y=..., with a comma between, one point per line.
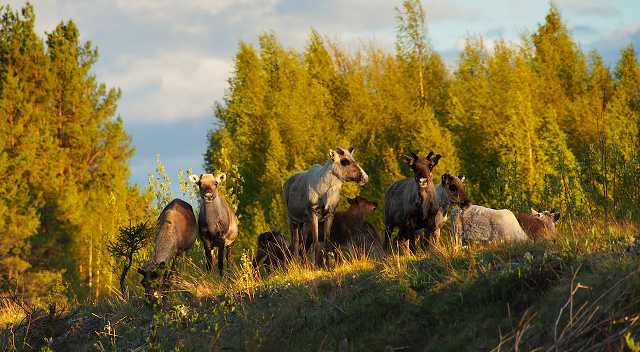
x=449, y=192
x=411, y=203
x=217, y=222
x=312, y=197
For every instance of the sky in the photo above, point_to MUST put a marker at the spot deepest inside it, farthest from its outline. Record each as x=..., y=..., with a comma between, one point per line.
x=172, y=59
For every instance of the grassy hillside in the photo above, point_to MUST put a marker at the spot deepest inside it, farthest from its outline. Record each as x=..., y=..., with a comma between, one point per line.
x=579, y=292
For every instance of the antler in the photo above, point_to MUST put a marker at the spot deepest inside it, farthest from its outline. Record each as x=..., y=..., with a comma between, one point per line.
x=430, y=154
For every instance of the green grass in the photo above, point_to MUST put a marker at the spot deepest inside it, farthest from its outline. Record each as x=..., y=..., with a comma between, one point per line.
x=445, y=299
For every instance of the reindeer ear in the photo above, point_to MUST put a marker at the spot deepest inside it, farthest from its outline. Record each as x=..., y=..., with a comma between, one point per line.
x=222, y=177
x=194, y=179
x=332, y=155
x=352, y=200
x=462, y=178
x=436, y=159
x=556, y=216
x=534, y=212
x=351, y=150
x=429, y=155
x=409, y=160
x=446, y=178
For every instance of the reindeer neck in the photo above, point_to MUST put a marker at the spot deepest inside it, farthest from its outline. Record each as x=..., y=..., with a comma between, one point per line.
x=443, y=198
x=213, y=208
x=356, y=213
x=427, y=199
x=326, y=179
x=427, y=193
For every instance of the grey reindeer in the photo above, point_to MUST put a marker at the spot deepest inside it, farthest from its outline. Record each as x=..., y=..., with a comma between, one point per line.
x=475, y=223
x=217, y=222
x=312, y=197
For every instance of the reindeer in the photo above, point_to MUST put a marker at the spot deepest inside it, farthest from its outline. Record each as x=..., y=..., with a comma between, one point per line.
x=350, y=230
x=539, y=225
x=449, y=192
x=176, y=234
x=474, y=223
x=312, y=196
x=272, y=250
x=411, y=204
x=217, y=222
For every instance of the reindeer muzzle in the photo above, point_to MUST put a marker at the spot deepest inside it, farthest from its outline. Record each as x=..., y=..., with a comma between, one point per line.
x=364, y=178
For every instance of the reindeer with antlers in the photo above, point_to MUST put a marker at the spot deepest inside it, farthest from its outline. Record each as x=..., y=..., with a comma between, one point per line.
x=411, y=204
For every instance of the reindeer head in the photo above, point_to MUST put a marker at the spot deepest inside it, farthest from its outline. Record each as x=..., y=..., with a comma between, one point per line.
x=363, y=204
x=150, y=280
x=345, y=167
x=422, y=167
x=549, y=217
x=454, y=188
x=208, y=185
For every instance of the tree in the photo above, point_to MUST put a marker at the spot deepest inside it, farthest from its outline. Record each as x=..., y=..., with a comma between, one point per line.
x=66, y=160
x=129, y=241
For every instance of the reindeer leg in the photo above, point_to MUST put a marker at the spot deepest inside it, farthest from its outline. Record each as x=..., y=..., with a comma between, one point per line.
x=166, y=278
x=295, y=241
x=314, y=231
x=221, y=259
x=228, y=254
x=208, y=247
x=328, y=223
x=260, y=254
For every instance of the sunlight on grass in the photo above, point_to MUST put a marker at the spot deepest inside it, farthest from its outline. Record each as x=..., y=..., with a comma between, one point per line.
x=10, y=313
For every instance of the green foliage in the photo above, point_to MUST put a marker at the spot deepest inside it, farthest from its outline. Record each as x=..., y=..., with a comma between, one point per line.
x=285, y=110
x=63, y=161
x=537, y=124
x=632, y=344
x=129, y=241
x=159, y=186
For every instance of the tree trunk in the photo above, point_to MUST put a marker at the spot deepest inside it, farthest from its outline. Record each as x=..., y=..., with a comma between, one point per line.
x=123, y=277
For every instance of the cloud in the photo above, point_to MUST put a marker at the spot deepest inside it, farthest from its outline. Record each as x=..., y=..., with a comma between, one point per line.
x=581, y=30
x=609, y=46
x=588, y=8
x=169, y=86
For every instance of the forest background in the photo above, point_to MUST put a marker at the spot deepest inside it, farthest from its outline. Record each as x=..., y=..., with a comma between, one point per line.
x=537, y=123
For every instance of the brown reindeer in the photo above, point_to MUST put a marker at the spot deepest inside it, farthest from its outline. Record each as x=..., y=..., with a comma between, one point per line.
x=411, y=204
x=272, y=250
x=176, y=234
x=217, y=222
x=350, y=231
x=538, y=225
x=449, y=192
x=312, y=196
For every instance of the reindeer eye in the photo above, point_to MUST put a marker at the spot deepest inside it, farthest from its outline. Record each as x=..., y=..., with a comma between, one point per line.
x=345, y=162
x=453, y=188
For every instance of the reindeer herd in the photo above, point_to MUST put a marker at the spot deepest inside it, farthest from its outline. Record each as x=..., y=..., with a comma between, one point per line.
x=414, y=205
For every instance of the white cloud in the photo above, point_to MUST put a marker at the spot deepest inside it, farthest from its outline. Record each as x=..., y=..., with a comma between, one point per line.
x=169, y=86
x=589, y=7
